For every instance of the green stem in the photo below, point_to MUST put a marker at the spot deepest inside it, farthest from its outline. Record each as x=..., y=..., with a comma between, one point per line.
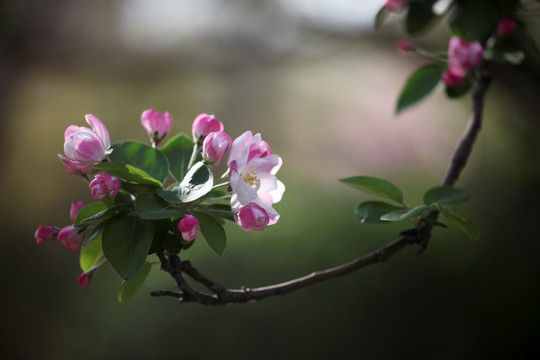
x=196, y=148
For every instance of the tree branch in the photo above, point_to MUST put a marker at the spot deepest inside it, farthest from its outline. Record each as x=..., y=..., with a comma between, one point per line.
x=221, y=296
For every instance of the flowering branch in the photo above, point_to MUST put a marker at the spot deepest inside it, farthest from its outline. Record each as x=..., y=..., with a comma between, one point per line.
x=419, y=236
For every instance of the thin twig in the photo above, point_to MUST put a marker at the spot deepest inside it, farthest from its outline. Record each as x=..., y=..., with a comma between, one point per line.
x=221, y=296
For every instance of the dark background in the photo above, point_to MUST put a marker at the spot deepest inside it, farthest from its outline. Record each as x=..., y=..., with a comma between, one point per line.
x=320, y=86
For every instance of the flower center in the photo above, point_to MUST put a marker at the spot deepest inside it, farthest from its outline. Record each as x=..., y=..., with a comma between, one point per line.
x=251, y=179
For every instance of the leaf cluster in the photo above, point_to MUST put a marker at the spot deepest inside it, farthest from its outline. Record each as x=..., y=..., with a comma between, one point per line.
x=444, y=199
x=143, y=218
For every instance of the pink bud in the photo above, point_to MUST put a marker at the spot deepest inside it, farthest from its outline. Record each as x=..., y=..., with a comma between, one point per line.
x=204, y=124
x=45, y=233
x=104, y=184
x=84, y=280
x=84, y=147
x=76, y=207
x=506, y=27
x=450, y=79
x=157, y=125
x=396, y=5
x=215, y=146
x=70, y=237
x=189, y=227
x=463, y=56
x=252, y=218
x=404, y=46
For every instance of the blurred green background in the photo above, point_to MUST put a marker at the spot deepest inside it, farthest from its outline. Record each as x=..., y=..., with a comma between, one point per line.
x=320, y=86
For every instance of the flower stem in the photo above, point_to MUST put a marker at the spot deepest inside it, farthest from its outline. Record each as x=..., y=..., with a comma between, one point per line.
x=196, y=148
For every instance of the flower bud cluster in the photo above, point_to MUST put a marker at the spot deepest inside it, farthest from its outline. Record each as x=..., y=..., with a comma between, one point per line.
x=462, y=57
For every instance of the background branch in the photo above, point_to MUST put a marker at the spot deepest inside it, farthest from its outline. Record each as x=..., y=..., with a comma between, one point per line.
x=221, y=296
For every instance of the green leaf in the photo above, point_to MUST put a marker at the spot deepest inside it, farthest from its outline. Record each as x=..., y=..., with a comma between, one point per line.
x=445, y=195
x=419, y=16
x=149, y=206
x=197, y=183
x=89, y=211
x=419, y=85
x=104, y=214
x=142, y=156
x=370, y=212
x=375, y=186
x=127, y=173
x=162, y=230
x=404, y=214
x=172, y=244
x=126, y=241
x=527, y=38
x=462, y=221
x=213, y=232
x=454, y=92
x=130, y=288
x=221, y=210
x=515, y=57
x=381, y=16
x=475, y=20
x=91, y=254
x=178, y=150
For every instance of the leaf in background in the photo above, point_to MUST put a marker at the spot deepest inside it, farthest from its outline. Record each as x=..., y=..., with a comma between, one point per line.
x=404, y=214
x=149, y=206
x=142, y=156
x=130, y=288
x=370, y=212
x=381, y=16
x=512, y=57
x=128, y=173
x=178, y=150
x=525, y=35
x=213, y=232
x=126, y=241
x=419, y=85
x=419, y=16
x=475, y=20
x=462, y=221
x=91, y=254
x=445, y=195
x=375, y=186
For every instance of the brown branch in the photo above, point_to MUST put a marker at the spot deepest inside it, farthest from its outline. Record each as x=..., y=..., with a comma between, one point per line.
x=221, y=296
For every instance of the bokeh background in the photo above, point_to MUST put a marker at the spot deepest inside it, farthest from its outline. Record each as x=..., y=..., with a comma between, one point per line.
x=320, y=85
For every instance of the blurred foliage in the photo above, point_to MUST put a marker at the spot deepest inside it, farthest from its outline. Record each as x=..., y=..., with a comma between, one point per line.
x=327, y=110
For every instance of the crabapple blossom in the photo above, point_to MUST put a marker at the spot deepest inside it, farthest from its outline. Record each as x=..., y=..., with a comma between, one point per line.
x=450, y=79
x=404, y=46
x=45, y=233
x=252, y=218
x=157, y=125
x=463, y=56
x=506, y=27
x=104, y=184
x=84, y=280
x=70, y=237
x=215, y=147
x=204, y=124
x=252, y=175
x=75, y=208
x=396, y=5
x=189, y=227
x=85, y=147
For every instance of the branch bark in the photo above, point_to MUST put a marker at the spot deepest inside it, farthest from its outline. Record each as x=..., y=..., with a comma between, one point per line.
x=220, y=295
